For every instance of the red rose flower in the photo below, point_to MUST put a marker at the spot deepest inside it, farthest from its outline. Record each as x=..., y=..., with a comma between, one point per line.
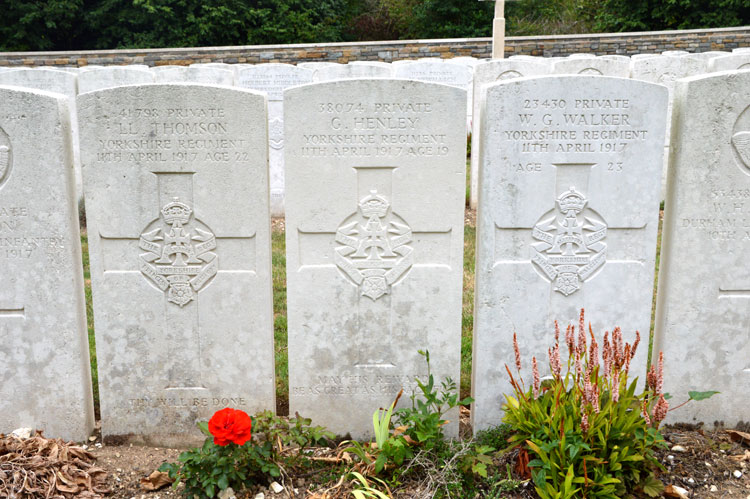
x=230, y=425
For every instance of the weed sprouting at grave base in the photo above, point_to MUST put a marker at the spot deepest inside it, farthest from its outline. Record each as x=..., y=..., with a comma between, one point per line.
x=585, y=430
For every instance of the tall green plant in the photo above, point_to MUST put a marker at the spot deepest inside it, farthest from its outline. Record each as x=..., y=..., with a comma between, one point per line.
x=589, y=433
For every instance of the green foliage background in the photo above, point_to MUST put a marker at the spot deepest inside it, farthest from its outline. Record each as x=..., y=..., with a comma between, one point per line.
x=108, y=24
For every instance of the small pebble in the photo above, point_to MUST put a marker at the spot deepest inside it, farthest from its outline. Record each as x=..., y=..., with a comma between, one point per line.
x=679, y=448
x=737, y=474
x=670, y=457
x=92, y=438
x=708, y=464
x=713, y=488
x=276, y=487
x=260, y=495
x=682, y=493
x=98, y=445
x=691, y=481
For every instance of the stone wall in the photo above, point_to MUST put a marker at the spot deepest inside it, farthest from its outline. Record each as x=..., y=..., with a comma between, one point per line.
x=550, y=46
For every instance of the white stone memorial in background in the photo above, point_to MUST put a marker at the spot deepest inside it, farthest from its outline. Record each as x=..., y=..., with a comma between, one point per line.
x=448, y=73
x=596, y=66
x=374, y=238
x=273, y=79
x=568, y=218
x=60, y=82
x=703, y=308
x=176, y=185
x=197, y=74
x=348, y=71
x=44, y=353
x=491, y=72
x=735, y=61
x=666, y=70
x=113, y=76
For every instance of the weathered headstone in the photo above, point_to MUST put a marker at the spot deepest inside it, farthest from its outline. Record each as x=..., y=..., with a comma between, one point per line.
x=109, y=77
x=731, y=62
x=666, y=70
x=60, y=82
x=447, y=73
x=206, y=75
x=703, y=305
x=176, y=186
x=595, y=66
x=347, y=71
x=484, y=74
x=44, y=356
x=273, y=79
x=374, y=227
x=568, y=217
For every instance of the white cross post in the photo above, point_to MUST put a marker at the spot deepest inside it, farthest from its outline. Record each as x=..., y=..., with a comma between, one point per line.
x=498, y=30
x=123, y=254
x=405, y=248
x=571, y=177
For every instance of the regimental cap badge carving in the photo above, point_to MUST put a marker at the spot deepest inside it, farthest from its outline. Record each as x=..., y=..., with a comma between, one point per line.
x=375, y=250
x=179, y=256
x=176, y=212
x=374, y=205
x=571, y=244
x=571, y=201
x=5, y=157
x=741, y=143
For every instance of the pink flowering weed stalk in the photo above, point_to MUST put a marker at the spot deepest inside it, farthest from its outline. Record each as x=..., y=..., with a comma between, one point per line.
x=587, y=433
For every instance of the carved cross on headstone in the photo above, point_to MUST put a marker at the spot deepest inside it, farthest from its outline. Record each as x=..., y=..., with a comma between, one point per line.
x=178, y=254
x=374, y=249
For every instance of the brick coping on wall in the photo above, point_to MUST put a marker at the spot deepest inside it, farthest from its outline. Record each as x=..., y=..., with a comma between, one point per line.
x=601, y=43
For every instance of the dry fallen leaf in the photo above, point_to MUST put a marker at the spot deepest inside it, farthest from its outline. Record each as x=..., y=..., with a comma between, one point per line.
x=156, y=481
x=41, y=467
x=741, y=457
x=739, y=436
x=678, y=492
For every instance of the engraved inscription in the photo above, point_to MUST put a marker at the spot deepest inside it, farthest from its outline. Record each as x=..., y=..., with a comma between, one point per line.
x=571, y=245
x=179, y=256
x=380, y=129
x=215, y=402
x=168, y=135
x=727, y=217
x=359, y=384
x=374, y=249
x=576, y=126
x=6, y=157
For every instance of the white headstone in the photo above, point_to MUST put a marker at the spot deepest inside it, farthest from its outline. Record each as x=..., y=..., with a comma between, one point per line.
x=568, y=218
x=666, y=70
x=484, y=74
x=209, y=75
x=595, y=66
x=348, y=71
x=448, y=73
x=44, y=353
x=176, y=186
x=273, y=79
x=732, y=62
x=703, y=306
x=60, y=82
x=109, y=77
x=374, y=227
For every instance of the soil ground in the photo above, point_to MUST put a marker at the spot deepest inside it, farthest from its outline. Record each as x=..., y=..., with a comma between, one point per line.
x=705, y=463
